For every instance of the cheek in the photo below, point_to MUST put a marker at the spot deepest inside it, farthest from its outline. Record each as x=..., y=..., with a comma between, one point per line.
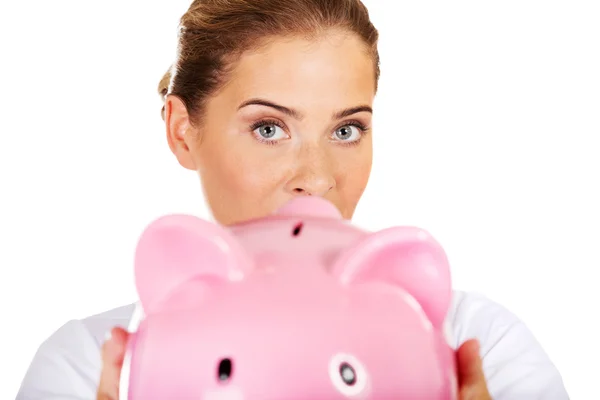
x=238, y=169
x=353, y=172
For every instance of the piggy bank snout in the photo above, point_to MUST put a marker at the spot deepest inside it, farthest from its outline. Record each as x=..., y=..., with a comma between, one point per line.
x=309, y=206
x=347, y=377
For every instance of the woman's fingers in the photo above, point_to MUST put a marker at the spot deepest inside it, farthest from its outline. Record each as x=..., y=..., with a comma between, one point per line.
x=113, y=353
x=471, y=379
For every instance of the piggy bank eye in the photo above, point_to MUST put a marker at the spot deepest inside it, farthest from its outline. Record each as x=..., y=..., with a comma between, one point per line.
x=225, y=370
x=347, y=375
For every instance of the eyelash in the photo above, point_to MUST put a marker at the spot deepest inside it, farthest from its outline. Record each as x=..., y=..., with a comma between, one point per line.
x=264, y=122
x=357, y=124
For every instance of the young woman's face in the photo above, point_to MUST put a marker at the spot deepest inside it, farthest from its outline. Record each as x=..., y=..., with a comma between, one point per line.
x=294, y=119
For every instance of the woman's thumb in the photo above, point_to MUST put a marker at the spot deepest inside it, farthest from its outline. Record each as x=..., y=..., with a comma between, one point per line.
x=471, y=377
x=113, y=353
x=113, y=350
x=470, y=368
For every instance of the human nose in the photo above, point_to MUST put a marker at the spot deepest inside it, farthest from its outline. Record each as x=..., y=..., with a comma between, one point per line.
x=313, y=175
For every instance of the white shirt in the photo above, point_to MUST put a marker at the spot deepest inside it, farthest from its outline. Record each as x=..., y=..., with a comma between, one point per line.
x=67, y=365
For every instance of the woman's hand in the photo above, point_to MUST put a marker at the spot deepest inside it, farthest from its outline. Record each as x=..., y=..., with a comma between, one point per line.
x=471, y=380
x=113, y=353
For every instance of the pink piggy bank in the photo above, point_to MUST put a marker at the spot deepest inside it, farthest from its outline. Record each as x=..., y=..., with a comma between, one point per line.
x=298, y=305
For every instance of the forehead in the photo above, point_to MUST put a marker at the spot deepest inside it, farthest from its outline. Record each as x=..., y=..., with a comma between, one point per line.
x=336, y=65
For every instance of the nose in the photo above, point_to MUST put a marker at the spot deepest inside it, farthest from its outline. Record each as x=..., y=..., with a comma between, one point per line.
x=312, y=175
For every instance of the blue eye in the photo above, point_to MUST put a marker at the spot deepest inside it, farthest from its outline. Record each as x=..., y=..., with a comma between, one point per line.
x=347, y=133
x=350, y=134
x=268, y=131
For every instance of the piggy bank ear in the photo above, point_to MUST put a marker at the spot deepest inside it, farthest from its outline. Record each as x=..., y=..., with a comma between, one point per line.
x=309, y=206
x=406, y=257
x=177, y=248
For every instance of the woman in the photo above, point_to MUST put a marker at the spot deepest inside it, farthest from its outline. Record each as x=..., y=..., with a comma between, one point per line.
x=270, y=100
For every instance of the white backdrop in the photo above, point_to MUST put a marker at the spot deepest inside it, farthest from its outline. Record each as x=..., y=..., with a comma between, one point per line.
x=487, y=134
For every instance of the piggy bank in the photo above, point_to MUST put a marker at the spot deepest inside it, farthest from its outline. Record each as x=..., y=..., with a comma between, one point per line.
x=298, y=305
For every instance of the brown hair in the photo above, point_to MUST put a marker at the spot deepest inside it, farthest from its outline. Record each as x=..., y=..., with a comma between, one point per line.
x=213, y=32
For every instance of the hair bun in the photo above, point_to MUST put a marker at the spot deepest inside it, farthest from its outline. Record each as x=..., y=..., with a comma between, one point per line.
x=163, y=85
x=163, y=90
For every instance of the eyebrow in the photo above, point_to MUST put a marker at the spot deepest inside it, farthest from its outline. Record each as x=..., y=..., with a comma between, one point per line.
x=297, y=115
